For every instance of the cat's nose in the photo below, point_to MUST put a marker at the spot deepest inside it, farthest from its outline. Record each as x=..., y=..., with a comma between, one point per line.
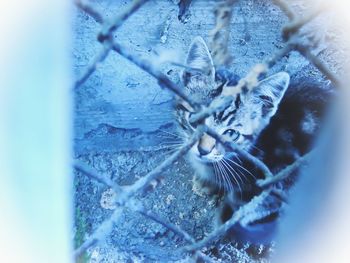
x=206, y=144
x=203, y=151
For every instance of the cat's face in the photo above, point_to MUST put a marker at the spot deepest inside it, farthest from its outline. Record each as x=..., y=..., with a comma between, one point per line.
x=240, y=123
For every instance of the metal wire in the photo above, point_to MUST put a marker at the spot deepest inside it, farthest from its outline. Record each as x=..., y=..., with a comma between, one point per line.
x=126, y=194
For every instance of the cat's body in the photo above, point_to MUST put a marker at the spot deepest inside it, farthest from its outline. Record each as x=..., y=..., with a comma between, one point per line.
x=276, y=121
x=290, y=134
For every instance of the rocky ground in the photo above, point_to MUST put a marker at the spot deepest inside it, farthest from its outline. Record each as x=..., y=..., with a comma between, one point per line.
x=139, y=239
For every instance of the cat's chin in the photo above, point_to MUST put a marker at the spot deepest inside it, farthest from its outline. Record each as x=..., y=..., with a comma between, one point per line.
x=204, y=169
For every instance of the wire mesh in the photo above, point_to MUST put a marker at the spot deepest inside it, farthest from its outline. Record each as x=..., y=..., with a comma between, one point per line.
x=126, y=194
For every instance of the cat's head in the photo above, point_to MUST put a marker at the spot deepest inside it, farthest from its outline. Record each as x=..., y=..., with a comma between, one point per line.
x=242, y=122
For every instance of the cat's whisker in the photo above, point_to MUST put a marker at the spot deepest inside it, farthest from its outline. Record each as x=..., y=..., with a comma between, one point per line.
x=241, y=167
x=231, y=169
x=227, y=179
x=169, y=133
x=238, y=159
x=234, y=170
x=223, y=177
x=242, y=174
x=169, y=152
x=233, y=176
x=243, y=171
x=172, y=149
x=238, y=185
x=231, y=185
x=170, y=144
x=172, y=134
x=224, y=163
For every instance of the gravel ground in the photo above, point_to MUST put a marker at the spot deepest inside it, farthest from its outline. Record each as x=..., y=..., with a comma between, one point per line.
x=139, y=239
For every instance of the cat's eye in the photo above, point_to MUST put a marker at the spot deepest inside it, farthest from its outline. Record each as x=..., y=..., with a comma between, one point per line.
x=233, y=134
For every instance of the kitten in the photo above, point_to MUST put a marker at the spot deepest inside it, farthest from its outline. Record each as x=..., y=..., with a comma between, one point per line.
x=241, y=122
x=273, y=124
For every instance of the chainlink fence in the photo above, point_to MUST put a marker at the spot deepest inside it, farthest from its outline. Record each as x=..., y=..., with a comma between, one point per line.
x=219, y=41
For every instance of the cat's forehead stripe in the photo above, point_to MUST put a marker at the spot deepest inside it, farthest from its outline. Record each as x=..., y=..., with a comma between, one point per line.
x=219, y=116
x=229, y=114
x=232, y=109
x=238, y=100
x=231, y=120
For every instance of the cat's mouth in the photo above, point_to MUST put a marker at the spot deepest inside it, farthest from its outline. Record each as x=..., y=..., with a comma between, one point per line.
x=209, y=159
x=213, y=156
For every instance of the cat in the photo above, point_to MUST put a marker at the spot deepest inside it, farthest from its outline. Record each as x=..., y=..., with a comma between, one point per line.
x=241, y=122
x=276, y=121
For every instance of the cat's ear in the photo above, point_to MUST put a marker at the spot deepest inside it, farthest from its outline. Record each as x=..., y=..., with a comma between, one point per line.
x=199, y=62
x=269, y=93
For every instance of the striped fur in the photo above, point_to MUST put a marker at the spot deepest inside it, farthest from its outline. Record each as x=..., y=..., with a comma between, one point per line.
x=241, y=123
